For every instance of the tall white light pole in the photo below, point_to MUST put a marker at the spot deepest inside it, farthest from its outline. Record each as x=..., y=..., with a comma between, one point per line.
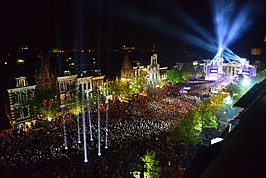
x=99, y=128
x=62, y=106
x=106, y=127
x=89, y=115
x=64, y=128
x=78, y=128
x=77, y=101
x=84, y=130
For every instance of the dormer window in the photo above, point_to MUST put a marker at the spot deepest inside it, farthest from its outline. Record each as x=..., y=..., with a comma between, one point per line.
x=21, y=82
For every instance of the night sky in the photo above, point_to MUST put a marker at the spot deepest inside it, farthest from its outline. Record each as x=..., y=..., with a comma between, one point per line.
x=102, y=24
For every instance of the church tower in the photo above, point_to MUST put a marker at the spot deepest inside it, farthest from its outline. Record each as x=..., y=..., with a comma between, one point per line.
x=45, y=77
x=127, y=70
x=154, y=67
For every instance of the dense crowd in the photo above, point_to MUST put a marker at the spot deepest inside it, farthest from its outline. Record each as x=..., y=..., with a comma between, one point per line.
x=133, y=128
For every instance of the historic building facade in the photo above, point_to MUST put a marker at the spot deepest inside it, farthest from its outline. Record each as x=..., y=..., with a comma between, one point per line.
x=45, y=77
x=127, y=70
x=22, y=112
x=85, y=84
x=153, y=70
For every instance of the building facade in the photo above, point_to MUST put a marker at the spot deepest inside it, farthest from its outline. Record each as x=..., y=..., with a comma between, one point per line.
x=153, y=70
x=45, y=77
x=22, y=112
x=127, y=70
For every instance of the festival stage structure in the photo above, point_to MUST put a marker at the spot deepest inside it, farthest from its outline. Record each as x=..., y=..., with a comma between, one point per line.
x=218, y=67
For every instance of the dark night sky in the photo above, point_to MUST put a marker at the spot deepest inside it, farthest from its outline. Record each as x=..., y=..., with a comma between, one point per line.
x=102, y=24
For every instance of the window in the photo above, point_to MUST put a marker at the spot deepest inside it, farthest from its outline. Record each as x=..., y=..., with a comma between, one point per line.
x=80, y=87
x=23, y=97
x=61, y=87
x=16, y=113
x=67, y=86
x=85, y=86
x=31, y=95
x=15, y=99
x=25, y=112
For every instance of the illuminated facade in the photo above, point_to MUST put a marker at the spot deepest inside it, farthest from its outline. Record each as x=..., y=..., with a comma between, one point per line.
x=85, y=83
x=154, y=70
x=127, y=70
x=217, y=68
x=256, y=51
x=19, y=97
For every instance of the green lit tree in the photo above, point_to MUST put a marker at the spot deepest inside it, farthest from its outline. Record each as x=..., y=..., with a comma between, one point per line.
x=137, y=84
x=151, y=165
x=119, y=88
x=236, y=91
x=173, y=76
x=204, y=116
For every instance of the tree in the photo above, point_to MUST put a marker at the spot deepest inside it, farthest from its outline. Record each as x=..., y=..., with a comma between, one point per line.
x=137, y=84
x=151, y=165
x=260, y=76
x=119, y=88
x=204, y=116
x=236, y=91
x=46, y=103
x=187, y=72
x=173, y=76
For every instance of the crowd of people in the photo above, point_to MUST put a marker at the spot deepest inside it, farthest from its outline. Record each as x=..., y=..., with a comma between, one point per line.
x=133, y=128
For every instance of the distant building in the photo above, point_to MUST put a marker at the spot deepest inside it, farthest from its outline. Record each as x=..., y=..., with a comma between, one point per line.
x=256, y=51
x=154, y=70
x=163, y=72
x=139, y=70
x=127, y=70
x=22, y=113
x=84, y=83
x=217, y=68
x=45, y=77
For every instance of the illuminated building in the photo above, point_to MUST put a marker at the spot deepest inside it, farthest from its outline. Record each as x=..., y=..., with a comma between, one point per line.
x=154, y=70
x=85, y=83
x=256, y=51
x=22, y=113
x=214, y=69
x=217, y=68
x=127, y=70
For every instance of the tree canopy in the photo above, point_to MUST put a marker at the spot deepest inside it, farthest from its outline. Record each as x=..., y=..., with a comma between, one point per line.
x=204, y=116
